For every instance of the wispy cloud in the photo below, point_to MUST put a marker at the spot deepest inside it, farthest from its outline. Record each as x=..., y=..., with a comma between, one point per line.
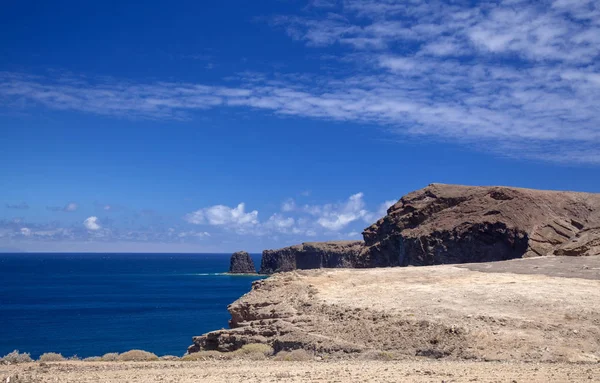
x=70, y=207
x=18, y=206
x=496, y=76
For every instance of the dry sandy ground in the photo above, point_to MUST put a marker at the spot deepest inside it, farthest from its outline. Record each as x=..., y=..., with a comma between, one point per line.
x=271, y=371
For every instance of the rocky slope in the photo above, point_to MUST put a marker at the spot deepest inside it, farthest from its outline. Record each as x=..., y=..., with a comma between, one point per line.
x=311, y=255
x=443, y=224
x=538, y=309
x=241, y=263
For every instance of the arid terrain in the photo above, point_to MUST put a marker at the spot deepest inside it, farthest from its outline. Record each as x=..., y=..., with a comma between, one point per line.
x=534, y=320
x=542, y=309
x=270, y=371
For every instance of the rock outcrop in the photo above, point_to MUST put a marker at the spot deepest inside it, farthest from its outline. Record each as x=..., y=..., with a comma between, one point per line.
x=241, y=263
x=311, y=255
x=443, y=224
x=502, y=311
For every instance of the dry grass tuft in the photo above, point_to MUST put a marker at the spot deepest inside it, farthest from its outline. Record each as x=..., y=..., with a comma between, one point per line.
x=110, y=357
x=207, y=355
x=16, y=357
x=51, y=357
x=93, y=359
x=169, y=358
x=137, y=356
x=255, y=350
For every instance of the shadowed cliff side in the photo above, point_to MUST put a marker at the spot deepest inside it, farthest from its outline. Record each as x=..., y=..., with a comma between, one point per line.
x=443, y=224
x=241, y=263
x=311, y=255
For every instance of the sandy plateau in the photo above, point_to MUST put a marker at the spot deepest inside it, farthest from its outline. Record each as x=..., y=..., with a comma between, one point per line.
x=529, y=320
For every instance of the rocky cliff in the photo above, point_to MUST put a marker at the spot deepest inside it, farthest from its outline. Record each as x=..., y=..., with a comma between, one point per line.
x=311, y=255
x=536, y=309
x=456, y=224
x=241, y=263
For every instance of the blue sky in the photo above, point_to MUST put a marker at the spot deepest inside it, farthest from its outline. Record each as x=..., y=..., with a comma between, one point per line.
x=195, y=127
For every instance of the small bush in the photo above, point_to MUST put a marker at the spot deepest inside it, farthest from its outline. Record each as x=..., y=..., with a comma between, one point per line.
x=256, y=348
x=137, y=356
x=74, y=357
x=300, y=355
x=51, y=357
x=206, y=355
x=169, y=357
x=16, y=357
x=110, y=357
x=93, y=359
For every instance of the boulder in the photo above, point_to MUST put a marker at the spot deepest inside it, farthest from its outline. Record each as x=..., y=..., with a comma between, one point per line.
x=241, y=263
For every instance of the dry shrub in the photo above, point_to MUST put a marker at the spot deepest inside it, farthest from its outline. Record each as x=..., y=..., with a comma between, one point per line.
x=110, y=357
x=254, y=351
x=16, y=357
x=206, y=355
x=300, y=355
x=51, y=357
x=137, y=356
x=169, y=357
x=93, y=359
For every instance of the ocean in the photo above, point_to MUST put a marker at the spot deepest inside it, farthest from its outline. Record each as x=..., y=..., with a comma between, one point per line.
x=91, y=304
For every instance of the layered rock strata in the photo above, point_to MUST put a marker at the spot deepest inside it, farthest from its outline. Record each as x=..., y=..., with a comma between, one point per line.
x=443, y=224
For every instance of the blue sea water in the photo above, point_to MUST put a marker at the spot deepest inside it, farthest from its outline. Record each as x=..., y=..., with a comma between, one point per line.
x=91, y=304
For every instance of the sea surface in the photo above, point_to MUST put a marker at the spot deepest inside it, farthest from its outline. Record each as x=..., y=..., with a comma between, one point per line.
x=91, y=304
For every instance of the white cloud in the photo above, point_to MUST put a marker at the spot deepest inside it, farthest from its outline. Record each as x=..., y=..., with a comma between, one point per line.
x=279, y=223
x=91, y=223
x=26, y=231
x=72, y=206
x=288, y=205
x=221, y=215
x=335, y=217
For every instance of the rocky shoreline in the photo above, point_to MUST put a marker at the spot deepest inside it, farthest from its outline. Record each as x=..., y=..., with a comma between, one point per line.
x=538, y=310
x=438, y=225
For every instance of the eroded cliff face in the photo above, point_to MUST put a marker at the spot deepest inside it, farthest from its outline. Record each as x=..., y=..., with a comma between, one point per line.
x=457, y=224
x=311, y=255
x=443, y=224
x=492, y=311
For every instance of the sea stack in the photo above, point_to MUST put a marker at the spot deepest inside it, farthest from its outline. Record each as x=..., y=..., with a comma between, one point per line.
x=241, y=263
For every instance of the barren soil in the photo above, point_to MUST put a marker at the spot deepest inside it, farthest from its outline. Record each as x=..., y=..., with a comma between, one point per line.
x=270, y=371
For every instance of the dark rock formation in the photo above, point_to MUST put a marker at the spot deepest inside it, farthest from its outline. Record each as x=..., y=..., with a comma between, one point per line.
x=241, y=263
x=311, y=255
x=457, y=224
